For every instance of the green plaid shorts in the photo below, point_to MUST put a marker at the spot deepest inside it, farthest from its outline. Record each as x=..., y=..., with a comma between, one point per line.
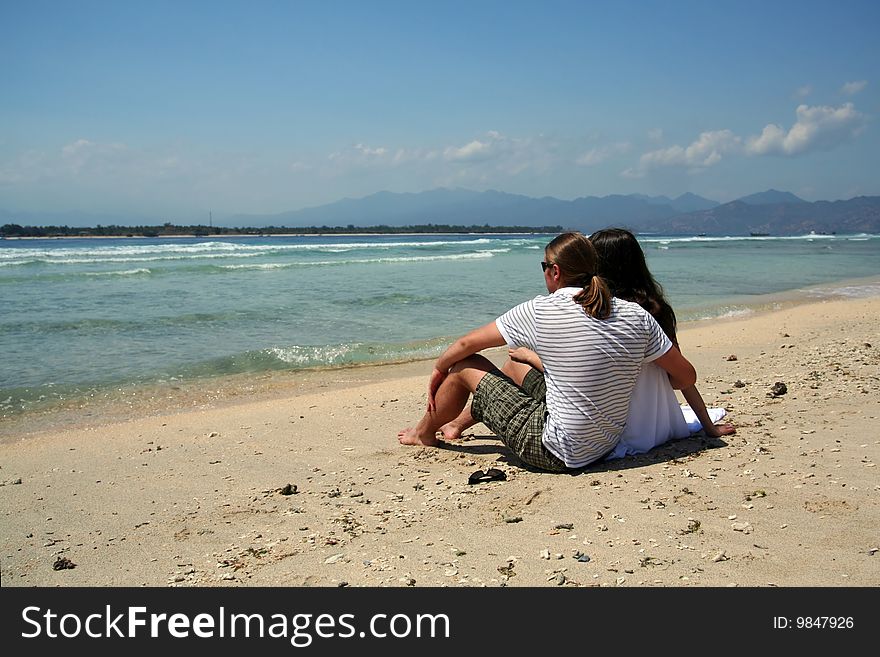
x=516, y=415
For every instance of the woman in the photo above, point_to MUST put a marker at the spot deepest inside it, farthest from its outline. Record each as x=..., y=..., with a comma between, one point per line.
x=654, y=415
x=592, y=347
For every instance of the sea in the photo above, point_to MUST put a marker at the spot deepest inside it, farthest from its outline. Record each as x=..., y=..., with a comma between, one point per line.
x=79, y=317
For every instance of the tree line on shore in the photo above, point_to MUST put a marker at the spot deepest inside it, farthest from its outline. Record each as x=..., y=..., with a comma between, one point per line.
x=171, y=230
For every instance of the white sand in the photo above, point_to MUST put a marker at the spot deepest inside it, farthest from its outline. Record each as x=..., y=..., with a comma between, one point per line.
x=190, y=497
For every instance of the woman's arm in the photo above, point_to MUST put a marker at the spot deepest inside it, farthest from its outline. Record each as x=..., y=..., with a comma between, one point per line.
x=681, y=373
x=698, y=406
x=526, y=356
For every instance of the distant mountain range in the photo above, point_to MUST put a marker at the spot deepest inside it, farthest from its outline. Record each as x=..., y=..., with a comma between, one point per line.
x=771, y=212
x=466, y=207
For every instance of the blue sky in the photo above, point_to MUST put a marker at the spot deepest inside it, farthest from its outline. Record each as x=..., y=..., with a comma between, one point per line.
x=176, y=108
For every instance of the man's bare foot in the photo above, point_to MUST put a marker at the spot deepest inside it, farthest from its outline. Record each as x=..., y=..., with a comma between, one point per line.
x=451, y=430
x=409, y=436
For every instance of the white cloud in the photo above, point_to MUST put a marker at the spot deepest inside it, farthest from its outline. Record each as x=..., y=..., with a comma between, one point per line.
x=77, y=147
x=771, y=140
x=83, y=154
x=852, y=88
x=819, y=127
x=488, y=157
x=361, y=156
x=598, y=155
x=371, y=152
x=473, y=151
x=706, y=151
x=359, y=153
x=497, y=155
x=80, y=160
x=816, y=128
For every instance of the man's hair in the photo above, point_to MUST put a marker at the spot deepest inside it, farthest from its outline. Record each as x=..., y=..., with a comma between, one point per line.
x=577, y=262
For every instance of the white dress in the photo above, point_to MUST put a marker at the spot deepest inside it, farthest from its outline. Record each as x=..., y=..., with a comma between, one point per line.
x=655, y=415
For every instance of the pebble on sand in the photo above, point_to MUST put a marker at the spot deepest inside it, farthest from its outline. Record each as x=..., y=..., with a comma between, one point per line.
x=63, y=563
x=778, y=389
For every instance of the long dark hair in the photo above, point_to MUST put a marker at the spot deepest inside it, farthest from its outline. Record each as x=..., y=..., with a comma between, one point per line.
x=577, y=262
x=622, y=264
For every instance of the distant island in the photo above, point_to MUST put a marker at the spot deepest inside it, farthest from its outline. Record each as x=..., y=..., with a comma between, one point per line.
x=170, y=230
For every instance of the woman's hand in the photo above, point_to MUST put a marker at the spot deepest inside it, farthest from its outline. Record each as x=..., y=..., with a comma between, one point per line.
x=525, y=355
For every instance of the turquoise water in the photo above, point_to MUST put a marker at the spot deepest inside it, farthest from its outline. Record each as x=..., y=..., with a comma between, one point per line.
x=77, y=315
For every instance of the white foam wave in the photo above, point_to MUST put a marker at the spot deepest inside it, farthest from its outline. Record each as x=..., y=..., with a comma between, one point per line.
x=335, y=354
x=458, y=256
x=266, y=266
x=851, y=291
x=127, y=272
x=749, y=238
x=363, y=261
x=217, y=248
x=117, y=251
x=729, y=314
x=298, y=355
x=166, y=258
x=214, y=250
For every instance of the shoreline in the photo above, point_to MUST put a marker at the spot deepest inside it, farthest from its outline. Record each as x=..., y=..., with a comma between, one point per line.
x=193, y=497
x=116, y=401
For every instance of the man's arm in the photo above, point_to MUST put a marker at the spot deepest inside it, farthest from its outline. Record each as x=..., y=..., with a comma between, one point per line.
x=467, y=345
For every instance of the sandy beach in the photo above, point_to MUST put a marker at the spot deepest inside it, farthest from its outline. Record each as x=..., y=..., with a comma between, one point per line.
x=305, y=484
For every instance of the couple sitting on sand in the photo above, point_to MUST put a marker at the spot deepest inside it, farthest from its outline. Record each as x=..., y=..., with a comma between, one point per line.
x=603, y=337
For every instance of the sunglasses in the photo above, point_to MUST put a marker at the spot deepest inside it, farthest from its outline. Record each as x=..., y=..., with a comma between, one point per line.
x=545, y=265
